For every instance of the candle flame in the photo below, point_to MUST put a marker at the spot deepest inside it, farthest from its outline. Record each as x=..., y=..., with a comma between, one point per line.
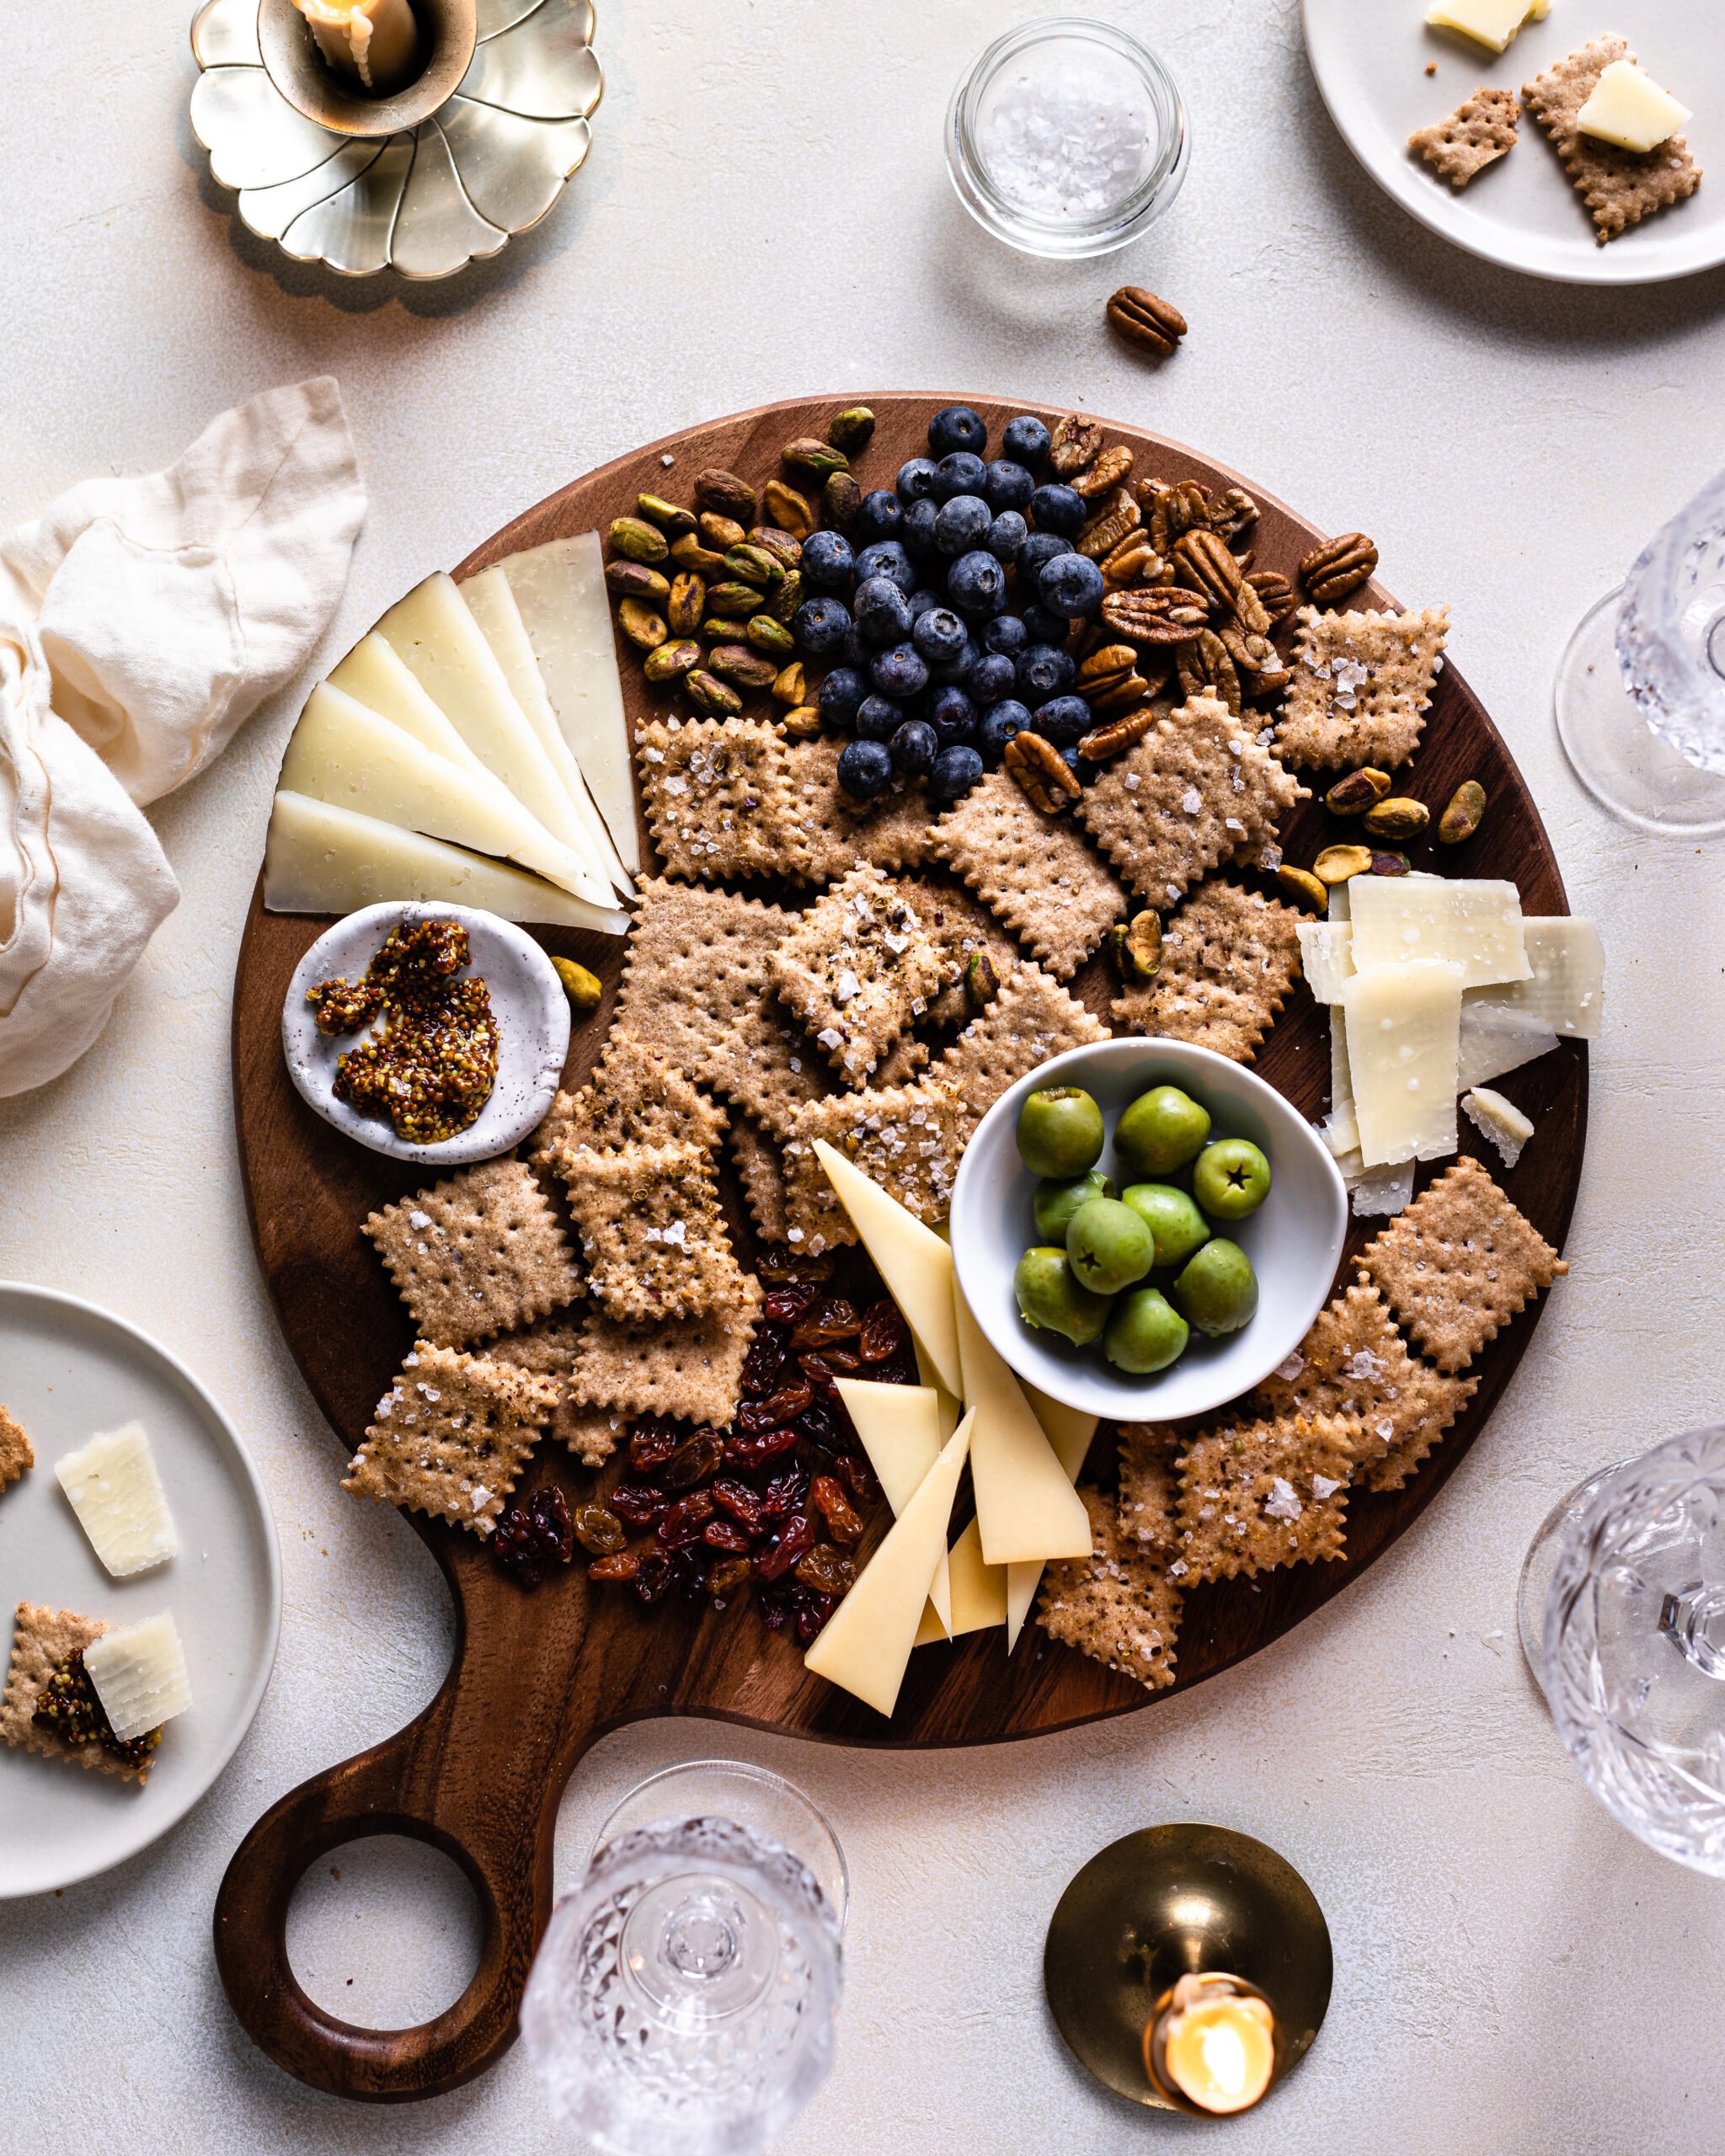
x=1224, y=2057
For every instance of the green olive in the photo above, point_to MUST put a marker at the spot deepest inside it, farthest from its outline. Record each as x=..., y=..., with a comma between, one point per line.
x=1146, y=1333
x=1162, y=1131
x=1061, y=1133
x=1231, y=1179
x=1108, y=1246
x=1180, y=1230
x=1218, y=1291
x=1050, y=1299
x=1056, y=1201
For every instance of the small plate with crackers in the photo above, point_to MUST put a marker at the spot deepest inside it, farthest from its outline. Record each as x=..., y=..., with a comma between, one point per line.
x=1486, y=146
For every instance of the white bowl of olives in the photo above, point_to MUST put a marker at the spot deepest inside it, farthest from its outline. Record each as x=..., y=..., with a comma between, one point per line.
x=1145, y=1231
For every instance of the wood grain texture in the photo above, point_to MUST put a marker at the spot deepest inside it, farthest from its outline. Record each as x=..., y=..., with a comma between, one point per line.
x=538, y=1678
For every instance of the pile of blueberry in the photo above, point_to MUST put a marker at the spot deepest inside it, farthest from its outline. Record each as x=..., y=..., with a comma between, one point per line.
x=943, y=610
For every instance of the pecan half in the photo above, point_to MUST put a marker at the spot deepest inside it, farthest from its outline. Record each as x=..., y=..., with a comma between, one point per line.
x=1275, y=594
x=1145, y=320
x=1233, y=514
x=1109, y=469
x=1106, y=668
x=1202, y=560
x=1103, y=742
x=1251, y=612
x=1049, y=781
x=1077, y=444
x=1116, y=518
x=1121, y=695
x=1172, y=510
x=1205, y=667
x=1134, y=561
x=1161, y=614
x=1330, y=572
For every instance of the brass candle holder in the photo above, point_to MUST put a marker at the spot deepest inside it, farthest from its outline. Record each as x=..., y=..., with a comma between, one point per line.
x=449, y=33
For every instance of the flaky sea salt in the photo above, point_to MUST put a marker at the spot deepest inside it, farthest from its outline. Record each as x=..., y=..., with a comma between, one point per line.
x=1067, y=140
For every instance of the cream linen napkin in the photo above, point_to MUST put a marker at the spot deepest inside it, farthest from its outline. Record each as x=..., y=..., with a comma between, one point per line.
x=141, y=621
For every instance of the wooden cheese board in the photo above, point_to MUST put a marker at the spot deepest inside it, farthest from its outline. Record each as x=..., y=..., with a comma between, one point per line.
x=538, y=1678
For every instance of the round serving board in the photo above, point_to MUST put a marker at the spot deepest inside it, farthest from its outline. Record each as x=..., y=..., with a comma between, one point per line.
x=537, y=1677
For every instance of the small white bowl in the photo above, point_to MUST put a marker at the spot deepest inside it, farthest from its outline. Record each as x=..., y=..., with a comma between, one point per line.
x=1294, y=1240
x=532, y=1010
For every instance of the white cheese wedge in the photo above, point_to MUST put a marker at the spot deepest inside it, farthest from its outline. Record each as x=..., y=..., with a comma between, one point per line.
x=1472, y=923
x=1070, y=1431
x=1498, y=1119
x=1028, y=1510
x=900, y=1427
x=113, y=1487
x=1567, y=989
x=322, y=859
x=491, y=601
x=1627, y=107
x=1381, y=1193
x=1404, y=1038
x=979, y=1593
x=140, y=1676
x=566, y=609
x=1490, y=23
x=1498, y=1038
x=374, y=675
x=867, y=1643
x=1326, y=956
x=916, y=1264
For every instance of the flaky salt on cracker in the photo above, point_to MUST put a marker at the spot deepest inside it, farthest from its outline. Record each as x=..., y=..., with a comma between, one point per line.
x=547, y=1350
x=1459, y=1263
x=634, y=1096
x=1118, y=1605
x=478, y=1254
x=958, y=919
x=718, y=798
x=858, y=968
x=760, y=1169
x=1195, y=791
x=1362, y=686
x=1475, y=135
x=1035, y=871
x=1619, y=187
x=1150, y=1487
x=1256, y=1495
x=832, y=832
x=1031, y=1019
x=42, y=1639
x=1354, y=1363
x=17, y=1457
x=651, y=1230
x=905, y=1138
x=450, y=1436
x=690, y=1369
x=1229, y=959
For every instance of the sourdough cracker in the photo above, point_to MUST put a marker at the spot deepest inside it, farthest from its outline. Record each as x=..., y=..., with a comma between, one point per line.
x=1118, y=1605
x=1256, y=1495
x=958, y=921
x=41, y=1640
x=1362, y=686
x=1230, y=960
x=547, y=1350
x=16, y=1455
x=718, y=798
x=634, y=1096
x=651, y=1230
x=1035, y=871
x=906, y=1140
x=1031, y=1019
x=452, y=1436
x=479, y=1253
x=1618, y=187
x=834, y=832
x=857, y=970
x=1476, y=133
x=760, y=1171
x=690, y=1369
x=1149, y=1487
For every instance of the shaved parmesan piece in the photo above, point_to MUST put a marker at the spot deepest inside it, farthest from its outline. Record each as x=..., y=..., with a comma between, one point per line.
x=1326, y=957
x=1403, y=1045
x=1492, y=24
x=1381, y=1193
x=1567, y=988
x=1471, y=923
x=1499, y=1120
x=139, y=1673
x=1340, y=909
x=1498, y=1038
x=1340, y=1132
x=113, y=1487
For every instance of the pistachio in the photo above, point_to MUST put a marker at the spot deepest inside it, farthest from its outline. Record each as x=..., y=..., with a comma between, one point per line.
x=666, y=514
x=982, y=981
x=723, y=532
x=716, y=630
x=789, y=511
x=772, y=636
x=639, y=540
x=688, y=604
x=1142, y=950
x=1398, y=818
x=1464, y=815
x=1390, y=864
x=641, y=624
x=851, y=429
x=819, y=459
x=787, y=598
x=755, y=565
x=671, y=661
x=804, y=721
x=729, y=495
x=1336, y=864
x=583, y=989
x=635, y=580
x=735, y=661
x=694, y=553
x=784, y=548
x=1359, y=791
x=841, y=498
x=737, y=597
x=792, y=685
x=708, y=693
x=1115, y=943
x=1301, y=884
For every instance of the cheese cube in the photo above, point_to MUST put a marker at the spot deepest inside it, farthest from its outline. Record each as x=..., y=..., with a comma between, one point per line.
x=114, y=1488
x=1472, y=922
x=1490, y=23
x=1629, y=109
x=1404, y=1042
x=139, y=1673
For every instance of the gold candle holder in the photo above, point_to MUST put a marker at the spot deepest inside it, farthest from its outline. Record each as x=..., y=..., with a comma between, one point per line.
x=323, y=92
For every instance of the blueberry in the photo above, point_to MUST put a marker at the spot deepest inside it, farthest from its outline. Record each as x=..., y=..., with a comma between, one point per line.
x=821, y=626
x=997, y=728
x=957, y=428
x=977, y=585
x=914, y=748
x=878, y=516
x=956, y=671
x=865, y=770
x=1039, y=549
x=1044, y=672
x=940, y=636
x=1007, y=535
x=827, y=561
x=1063, y=720
x=883, y=612
x=915, y=481
x=960, y=473
x=1008, y=634
x=1008, y=486
x=853, y=652
x=992, y=678
x=1042, y=628
x=839, y=694
x=961, y=524
x=952, y=715
x=1027, y=441
x=900, y=671
x=918, y=534
x=1071, y=585
x=1058, y=509
x=887, y=558
x=923, y=602
x=956, y=770
x=878, y=719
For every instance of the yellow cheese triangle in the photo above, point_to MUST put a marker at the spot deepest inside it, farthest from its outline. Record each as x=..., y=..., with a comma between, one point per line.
x=374, y=675
x=1026, y=1507
x=1070, y=1431
x=915, y=1263
x=866, y=1646
x=902, y=1431
x=979, y=1592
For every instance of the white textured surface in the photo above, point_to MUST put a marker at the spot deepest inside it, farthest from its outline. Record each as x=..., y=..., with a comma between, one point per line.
x=764, y=213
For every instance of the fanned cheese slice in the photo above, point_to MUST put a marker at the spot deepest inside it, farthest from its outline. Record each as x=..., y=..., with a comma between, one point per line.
x=913, y=1261
x=1027, y=1509
x=1567, y=990
x=1472, y=922
x=866, y=1645
x=112, y=1484
x=374, y=675
x=1404, y=1038
x=1326, y=956
x=139, y=1675
x=979, y=1592
x=900, y=1428
x=566, y=610
x=1070, y=1431
x=1498, y=1038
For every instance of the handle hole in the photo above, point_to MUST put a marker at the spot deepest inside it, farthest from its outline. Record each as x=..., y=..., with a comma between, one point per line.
x=385, y=1932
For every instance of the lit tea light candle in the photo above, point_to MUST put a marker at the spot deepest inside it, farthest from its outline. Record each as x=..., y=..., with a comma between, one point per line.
x=1212, y=2042
x=372, y=44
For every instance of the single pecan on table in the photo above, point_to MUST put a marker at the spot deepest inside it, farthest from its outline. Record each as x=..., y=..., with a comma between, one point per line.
x=1146, y=320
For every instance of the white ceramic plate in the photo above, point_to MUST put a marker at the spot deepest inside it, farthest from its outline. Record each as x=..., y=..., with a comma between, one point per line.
x=532, y=1010
x=1295, y=1239
x=67, y=1371
x=1370, y=57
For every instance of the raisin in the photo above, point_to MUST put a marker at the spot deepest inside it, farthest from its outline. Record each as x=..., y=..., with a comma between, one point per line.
x=639, y=1507
x=883, y=1332
x=654, y=1578
x=744, y=1505
x=533, y=1535
x=764, y=1360
x=812, y=1614
x=821, y=1367
x=793, y=1540
x=858, y=1478
x=727, y=1576
x=786, y=1493
x=550, y=1515
x=832, y=1317
x=843, y=1523
x=827, y=1571
x=623, y=1565
x=598, y=1530
x=688, y=1571
x=651, y=1444
x=697, y=1460
x=752, y=1452
x=775, y=1609
x=786, y=1305
x=683, y=1523
x=784, y=1407
x=824, y=1429
x=729, y=1535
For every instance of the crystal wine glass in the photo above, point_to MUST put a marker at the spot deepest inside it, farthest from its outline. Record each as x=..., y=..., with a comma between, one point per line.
x=685, y=1995
x=1633, y=1641
x=1641, y=691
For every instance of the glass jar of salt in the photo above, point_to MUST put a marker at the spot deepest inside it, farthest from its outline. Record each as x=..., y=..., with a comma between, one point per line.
x=1067, y=138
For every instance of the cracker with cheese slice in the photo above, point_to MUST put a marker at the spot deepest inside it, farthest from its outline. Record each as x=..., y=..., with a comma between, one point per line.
x=1362, y=686
x=1031, y=1019
x=1618, y=187
x=690, y=1369
x=479, y=1253
x=1256, y=1495
x=1034, y=870
x=651, y=1230
x=1118, y=1605
x=452, y=1436
x=905, y=1138
x=1229, y=959
x=43, y=1640
x=858, y=968
x=1478, y=133
x=718, y=798
x=16, y=1456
